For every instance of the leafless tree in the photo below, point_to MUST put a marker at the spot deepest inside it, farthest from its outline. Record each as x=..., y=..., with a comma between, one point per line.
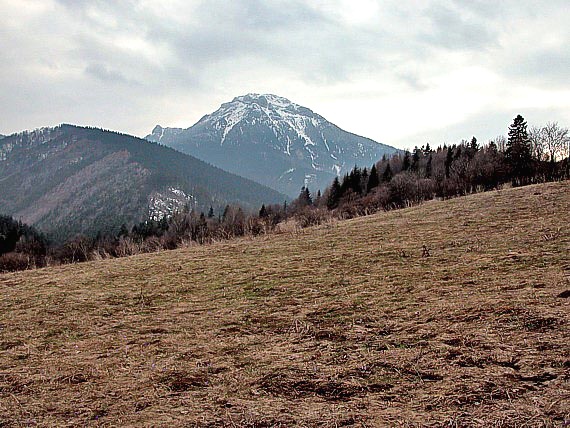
x=551, y=142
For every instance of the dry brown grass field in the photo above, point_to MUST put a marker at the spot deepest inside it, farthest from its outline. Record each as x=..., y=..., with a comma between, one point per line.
x=352, y=323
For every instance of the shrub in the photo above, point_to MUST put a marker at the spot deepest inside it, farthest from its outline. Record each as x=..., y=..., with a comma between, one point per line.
x=11, y=262
x=312, y=216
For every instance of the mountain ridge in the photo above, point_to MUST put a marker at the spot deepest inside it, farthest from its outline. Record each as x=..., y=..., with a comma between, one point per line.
x=70, y=179
x=274, y=141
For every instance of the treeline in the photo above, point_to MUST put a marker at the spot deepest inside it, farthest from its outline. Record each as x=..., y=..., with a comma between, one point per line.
x=27, y=250
x=525, y=157
x=21, y=246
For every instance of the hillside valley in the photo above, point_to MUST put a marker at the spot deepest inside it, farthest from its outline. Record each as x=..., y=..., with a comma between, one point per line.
x=69, y=179
x=451, y=313
x=273, y=141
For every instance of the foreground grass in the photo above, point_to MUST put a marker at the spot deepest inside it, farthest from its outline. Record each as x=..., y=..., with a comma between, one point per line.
x=348, y=324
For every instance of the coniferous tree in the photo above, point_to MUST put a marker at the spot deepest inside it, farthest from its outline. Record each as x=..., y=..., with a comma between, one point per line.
x=415, y=160
x=448, y=162
x=458, y=153
x=373, y=180
x=406, y=162
x=263, y=212
x=387, y=175
x=334, y=194
x=308, y=197
x=429, y=166
x=474, y=144
x=518, y=153
x=364, y=182
x=304, y=199
x=211, y=212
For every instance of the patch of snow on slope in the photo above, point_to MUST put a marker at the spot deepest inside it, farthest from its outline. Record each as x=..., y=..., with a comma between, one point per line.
x=165, y=204
x=229, y=119
x=289, y=171
x=297, y=124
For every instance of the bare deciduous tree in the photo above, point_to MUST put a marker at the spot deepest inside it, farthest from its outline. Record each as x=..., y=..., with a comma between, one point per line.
x=551, y=142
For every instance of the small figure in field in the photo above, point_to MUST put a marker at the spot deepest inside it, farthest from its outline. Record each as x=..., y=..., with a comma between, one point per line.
x=425, y=251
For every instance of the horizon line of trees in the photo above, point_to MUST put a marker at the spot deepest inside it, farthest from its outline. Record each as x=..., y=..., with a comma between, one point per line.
x=524, y=157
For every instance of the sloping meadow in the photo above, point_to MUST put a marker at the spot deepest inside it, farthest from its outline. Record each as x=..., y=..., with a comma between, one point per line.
x=453, y=313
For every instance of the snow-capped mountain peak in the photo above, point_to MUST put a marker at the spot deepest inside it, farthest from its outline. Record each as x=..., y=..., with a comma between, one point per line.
x=275, y=112
x=274, y=141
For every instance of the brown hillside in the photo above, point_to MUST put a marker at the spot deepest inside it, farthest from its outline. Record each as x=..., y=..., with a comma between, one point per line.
x=355, y=323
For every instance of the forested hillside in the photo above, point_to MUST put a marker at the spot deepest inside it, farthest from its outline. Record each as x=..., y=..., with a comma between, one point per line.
x=68, y=180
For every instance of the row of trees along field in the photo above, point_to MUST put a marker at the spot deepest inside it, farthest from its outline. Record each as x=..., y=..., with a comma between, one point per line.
x=524, y=157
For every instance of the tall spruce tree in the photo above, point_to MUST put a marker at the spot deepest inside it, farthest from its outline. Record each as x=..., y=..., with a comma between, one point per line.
x=305, y=198
x=406, y=161
x=387, y=175
x=415, y=165
x=474, y=144
x=263, y=212
x=429, y=166
x=448, y=161
x=333, y=194
x=518, y=153
x=373, y=180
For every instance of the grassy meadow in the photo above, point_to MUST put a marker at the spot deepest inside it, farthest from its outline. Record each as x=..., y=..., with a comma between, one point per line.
x=454, y=313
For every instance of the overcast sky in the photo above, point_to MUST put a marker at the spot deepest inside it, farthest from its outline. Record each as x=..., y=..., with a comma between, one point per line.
x=400, y=72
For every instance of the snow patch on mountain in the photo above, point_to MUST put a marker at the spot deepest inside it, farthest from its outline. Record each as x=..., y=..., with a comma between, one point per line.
x=280, y=114
x=165, y=204
x=228, y=121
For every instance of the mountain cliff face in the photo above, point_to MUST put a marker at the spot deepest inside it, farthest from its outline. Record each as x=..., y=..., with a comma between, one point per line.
x=68, y=180
x=273, y=141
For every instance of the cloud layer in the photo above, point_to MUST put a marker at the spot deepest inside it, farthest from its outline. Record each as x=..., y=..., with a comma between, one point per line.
x=403, y=73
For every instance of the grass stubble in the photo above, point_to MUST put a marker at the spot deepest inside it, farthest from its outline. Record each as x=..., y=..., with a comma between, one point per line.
x=351, y=323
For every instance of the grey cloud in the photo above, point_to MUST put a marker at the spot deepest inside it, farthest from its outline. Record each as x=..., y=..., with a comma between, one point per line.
x=226, y=44
x=287, y=38
x=547, y=68
x=414, y=81
x=453, y=30
x=105, y=73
